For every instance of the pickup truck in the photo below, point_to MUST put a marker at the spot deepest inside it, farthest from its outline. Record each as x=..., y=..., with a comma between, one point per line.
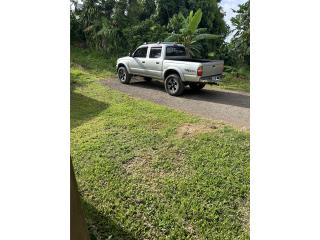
x=170, y=63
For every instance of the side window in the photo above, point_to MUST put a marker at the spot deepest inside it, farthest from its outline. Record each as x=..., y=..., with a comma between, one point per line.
x=141, y=52
x=155, y=52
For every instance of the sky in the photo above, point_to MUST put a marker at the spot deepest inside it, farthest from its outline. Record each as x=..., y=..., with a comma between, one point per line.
x=227, y=6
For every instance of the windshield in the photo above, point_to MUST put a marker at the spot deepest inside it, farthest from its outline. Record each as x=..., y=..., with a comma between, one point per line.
x=175, y=51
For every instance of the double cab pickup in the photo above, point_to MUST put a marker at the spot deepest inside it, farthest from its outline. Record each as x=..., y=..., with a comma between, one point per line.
x=169, y=62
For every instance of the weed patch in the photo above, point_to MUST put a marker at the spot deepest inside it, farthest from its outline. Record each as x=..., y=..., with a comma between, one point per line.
x=189, y=130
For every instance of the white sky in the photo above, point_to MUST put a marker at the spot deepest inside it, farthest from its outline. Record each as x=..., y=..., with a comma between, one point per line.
x=227, y=6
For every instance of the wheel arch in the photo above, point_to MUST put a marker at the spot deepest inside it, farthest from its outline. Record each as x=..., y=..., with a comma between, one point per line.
x=122, y=64
x=172, y=71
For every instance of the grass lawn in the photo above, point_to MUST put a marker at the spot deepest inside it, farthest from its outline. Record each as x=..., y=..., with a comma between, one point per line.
x=149, y=172
x=232, y=82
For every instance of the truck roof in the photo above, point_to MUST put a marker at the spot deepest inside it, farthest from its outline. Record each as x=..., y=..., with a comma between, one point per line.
x=160, y=44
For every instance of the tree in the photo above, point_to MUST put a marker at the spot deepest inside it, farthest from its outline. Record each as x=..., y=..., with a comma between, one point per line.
x=145, y=31
x=176, y=23
x=149, y=9
x=103, y=35
x=117, y=26
x=239, y=46
x=212, y=15
x=213, y=20
x=76, y=32
x=190, y=35
x=167, y=8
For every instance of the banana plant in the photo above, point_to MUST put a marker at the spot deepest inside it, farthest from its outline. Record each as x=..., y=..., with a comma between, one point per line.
x=190, y=35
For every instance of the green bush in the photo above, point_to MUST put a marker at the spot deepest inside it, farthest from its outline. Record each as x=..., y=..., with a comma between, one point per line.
x=145, y=31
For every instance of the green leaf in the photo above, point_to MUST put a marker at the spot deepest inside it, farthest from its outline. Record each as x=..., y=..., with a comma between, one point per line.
x=195, y=20
x=200, y=30
x=173, y=37
x=206, y=36
x=190, y=16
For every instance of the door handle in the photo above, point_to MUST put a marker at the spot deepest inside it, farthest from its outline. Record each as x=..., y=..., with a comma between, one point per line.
x=157, y=62
x=143, y=62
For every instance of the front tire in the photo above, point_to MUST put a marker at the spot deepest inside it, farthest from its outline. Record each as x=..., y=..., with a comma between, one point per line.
x=173, y=84
x=123, y=75
x=196, y=86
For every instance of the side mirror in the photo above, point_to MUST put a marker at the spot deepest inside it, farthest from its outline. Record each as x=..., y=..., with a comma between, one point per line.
x=130, y=54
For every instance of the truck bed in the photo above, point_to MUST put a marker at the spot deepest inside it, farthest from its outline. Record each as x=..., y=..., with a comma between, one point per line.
x=190, y=60
x=210, y=67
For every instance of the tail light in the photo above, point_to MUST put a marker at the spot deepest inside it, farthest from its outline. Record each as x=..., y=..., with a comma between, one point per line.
x=199, y=71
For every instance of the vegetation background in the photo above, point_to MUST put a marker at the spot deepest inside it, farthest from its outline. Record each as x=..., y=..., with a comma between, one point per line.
x=117, y=27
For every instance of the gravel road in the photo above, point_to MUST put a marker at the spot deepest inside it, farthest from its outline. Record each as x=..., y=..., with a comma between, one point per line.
x=228, y=106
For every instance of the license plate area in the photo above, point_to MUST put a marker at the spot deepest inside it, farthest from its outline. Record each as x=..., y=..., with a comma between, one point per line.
x=215, y=78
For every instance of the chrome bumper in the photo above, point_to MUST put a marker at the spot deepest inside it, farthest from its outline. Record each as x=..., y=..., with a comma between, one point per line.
x=211, y=79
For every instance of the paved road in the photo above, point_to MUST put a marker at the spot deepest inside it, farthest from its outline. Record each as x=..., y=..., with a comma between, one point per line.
x=228, y=106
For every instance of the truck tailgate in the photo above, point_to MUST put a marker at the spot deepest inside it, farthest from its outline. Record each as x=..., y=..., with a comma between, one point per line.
x=212, y=68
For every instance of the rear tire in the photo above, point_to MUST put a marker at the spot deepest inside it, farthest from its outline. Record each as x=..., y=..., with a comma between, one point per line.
x=173, y=84
x=196, y=86
x=123, y=75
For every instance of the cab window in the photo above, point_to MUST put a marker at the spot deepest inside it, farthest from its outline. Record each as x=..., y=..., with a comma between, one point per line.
x=155, y=52
x=141, y=52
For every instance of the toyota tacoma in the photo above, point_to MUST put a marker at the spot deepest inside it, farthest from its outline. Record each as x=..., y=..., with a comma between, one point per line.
x=170, y=63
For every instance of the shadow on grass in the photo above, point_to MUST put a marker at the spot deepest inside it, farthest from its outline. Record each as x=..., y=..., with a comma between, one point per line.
x=75, y=84
x=103, y=227
x=84, y=108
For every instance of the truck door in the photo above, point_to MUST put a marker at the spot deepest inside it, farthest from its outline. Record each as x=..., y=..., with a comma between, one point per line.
x=154, y=62
x=138, y=61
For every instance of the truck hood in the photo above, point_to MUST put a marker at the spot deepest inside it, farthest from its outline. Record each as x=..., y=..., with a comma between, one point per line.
x=123, y=59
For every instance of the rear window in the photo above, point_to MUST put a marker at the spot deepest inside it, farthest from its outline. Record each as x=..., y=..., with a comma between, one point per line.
x=175, y=51
x=155, y=52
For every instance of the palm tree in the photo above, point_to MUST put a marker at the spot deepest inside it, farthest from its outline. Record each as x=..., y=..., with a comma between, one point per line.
x=190, y=35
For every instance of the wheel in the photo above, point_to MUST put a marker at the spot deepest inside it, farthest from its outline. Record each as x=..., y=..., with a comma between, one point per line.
x=147, y=79
x=173, y=84
x=196, y=86
x=123, y=75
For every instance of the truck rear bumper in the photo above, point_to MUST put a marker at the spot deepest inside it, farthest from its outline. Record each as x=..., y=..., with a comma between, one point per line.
x=211, y=79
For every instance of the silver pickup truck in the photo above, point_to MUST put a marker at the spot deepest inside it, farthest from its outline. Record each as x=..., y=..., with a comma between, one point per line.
x=170, y=63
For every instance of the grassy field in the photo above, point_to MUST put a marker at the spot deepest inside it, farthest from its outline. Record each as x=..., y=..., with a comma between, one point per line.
x=233, y=82
x=149, y=172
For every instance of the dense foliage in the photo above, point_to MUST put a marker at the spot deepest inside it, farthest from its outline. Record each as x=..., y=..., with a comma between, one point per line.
x=190, y=35
x=117, y=27
x=239, y=46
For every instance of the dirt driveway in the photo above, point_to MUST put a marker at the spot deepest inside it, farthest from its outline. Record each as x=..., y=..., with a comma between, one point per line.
x=228, y=106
